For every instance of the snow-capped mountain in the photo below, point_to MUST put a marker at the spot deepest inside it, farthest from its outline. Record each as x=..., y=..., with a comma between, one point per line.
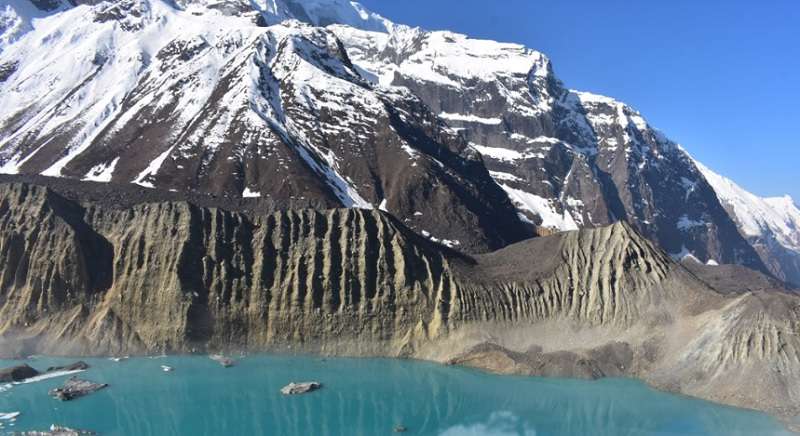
x=470, y=142
x=192, y=99
x=772, y=225
x=567, y=159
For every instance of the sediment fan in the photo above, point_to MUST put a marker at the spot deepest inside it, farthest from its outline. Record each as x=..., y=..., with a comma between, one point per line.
x=210, y=175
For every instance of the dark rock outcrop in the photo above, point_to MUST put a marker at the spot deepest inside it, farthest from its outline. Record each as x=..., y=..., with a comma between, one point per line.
x=75, y=388
x=17, y=373
x=77, y=366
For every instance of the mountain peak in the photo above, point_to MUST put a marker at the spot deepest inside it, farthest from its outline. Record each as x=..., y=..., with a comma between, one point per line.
x=776, y=218
x=315, y=12
x=326, y=12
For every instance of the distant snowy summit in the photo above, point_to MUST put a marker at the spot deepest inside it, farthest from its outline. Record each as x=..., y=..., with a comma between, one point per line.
x=473, y=142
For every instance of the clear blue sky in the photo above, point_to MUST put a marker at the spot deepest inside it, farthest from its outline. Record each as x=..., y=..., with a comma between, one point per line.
x=721, y=77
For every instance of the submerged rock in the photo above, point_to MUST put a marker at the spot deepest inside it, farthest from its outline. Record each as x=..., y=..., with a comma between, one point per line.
x=300, y=388
x=222, y=360
x=76, y=388
x=77, y=366
x=57, y=430
x=17, y=373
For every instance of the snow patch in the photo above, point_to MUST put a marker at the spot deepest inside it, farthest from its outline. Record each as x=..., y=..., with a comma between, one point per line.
x=541, y=207
x=689, y=186
x=503, y=154
x=470, y=118
x=685, y=223
x=101, y=172
x=152, y=169
x=508, y=177
x=684, y=254
x=247, y=193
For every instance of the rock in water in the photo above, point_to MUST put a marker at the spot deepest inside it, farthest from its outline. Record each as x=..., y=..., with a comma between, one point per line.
x=17, y=373
x=76, y=388
x=77, y=366
x=57, y=430
x=224, y=361
x=300, y=388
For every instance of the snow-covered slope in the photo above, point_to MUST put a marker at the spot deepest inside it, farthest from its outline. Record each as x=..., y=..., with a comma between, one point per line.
x=196, y=99
x=772, y=224
x=470, y=141
x=758, y=216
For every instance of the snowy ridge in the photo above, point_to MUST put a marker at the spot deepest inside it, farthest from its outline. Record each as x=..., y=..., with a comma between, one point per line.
x=447, y=58
x=318, y=13
x=567, y=158
x=771, y=217
x=112, y=60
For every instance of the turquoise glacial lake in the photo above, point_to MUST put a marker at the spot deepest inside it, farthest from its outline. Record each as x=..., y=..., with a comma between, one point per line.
x=359, y=397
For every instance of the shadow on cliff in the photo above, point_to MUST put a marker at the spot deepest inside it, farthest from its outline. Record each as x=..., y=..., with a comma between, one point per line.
x=98, y=253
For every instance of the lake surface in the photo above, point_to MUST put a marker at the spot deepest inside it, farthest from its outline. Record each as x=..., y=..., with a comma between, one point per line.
x=359, y=397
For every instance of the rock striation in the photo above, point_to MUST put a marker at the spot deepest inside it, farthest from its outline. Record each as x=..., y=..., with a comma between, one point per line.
x=80, y=277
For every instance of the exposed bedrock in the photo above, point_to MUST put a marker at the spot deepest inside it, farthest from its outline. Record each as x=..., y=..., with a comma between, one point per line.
x=79, y=277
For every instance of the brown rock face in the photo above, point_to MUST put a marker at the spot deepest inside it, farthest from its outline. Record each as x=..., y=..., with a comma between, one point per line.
x=78, y=276
x=173, y=276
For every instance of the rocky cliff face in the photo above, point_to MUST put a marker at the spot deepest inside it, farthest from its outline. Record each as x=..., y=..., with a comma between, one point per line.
x=175, y=277
x=82, y=277
x=567, y=159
